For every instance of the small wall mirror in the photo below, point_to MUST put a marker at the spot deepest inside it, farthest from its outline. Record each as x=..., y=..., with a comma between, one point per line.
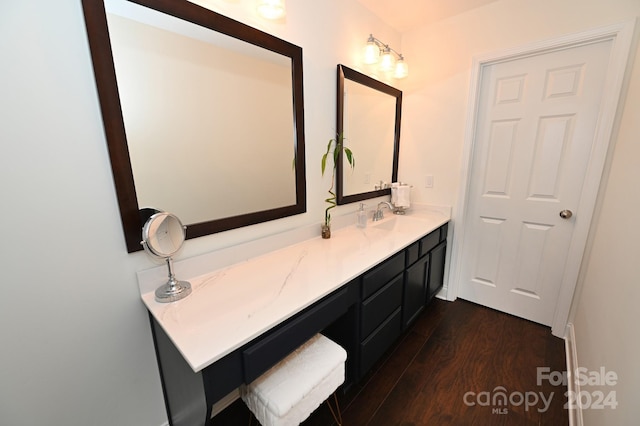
x=368, y=116
x=203, y=115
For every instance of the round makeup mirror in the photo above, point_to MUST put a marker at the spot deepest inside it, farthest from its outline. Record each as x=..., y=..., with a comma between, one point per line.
x=162, y=236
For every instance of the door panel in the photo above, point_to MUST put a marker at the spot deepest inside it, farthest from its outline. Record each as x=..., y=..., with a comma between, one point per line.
x=536, y=122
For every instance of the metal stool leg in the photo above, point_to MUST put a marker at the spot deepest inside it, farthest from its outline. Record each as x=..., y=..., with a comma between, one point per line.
x=335, y=412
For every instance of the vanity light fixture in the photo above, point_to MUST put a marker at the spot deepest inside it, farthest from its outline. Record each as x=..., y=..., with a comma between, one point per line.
x=390, y=60
x=271, y=9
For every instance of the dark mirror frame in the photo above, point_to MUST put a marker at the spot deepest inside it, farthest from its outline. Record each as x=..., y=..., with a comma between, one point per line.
x=353, y=75
x=101, y=54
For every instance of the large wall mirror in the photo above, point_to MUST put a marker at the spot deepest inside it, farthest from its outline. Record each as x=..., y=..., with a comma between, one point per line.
x=368, y=117
x=203, y=115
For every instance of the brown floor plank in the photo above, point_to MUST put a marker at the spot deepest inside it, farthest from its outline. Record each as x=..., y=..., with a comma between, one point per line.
x=384, y=380
x=417, y=391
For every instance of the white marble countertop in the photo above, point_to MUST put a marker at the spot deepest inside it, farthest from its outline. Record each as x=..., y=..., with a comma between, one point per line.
x=233, y=304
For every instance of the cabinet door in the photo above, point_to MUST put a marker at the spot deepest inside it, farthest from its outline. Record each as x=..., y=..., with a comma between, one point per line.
x=415, y=290
x=436, y=271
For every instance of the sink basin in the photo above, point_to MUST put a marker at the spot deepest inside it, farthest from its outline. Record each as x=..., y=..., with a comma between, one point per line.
x=401, y=224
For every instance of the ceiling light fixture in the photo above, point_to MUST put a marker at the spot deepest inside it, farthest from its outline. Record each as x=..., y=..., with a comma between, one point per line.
x=271, y=9
x=390, y=60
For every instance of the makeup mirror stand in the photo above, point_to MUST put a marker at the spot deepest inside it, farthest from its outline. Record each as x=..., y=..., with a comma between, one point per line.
x=162, y=236
x=173, y=289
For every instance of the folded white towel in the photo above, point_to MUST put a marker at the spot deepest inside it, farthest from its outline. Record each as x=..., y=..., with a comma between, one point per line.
x=401, y=195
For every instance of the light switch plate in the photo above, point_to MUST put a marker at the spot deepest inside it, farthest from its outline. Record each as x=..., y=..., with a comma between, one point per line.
x=428, y=181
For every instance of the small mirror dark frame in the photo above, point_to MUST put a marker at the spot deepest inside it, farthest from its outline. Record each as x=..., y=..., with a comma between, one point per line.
x=353, y=75
x=101, y=54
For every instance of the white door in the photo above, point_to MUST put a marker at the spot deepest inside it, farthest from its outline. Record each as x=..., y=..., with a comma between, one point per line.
x=535, y=128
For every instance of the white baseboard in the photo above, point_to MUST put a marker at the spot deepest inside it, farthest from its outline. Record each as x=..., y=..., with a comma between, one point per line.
x=575, y=411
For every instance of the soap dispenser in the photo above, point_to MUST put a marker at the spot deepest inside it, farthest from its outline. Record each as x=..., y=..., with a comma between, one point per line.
x=361, y=217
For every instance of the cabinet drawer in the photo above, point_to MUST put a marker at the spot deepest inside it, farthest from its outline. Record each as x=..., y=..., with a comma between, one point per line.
x=378, y=307
x=412, y=253
x=379, y=341
x=260, y=356
x=428, y=242
x=382, y=274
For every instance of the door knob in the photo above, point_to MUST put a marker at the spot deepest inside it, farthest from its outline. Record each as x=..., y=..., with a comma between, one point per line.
x=566, y=214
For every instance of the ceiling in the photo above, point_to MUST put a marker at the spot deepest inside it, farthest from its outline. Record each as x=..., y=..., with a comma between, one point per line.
x=405, y=15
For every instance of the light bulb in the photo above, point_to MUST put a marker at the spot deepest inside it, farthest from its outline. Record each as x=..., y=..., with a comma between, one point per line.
x=387, y=61
x=371, y=52
x=271, y=9
x=402, y=69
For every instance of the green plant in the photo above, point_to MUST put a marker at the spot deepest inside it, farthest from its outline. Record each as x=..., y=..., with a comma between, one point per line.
x=338, y=147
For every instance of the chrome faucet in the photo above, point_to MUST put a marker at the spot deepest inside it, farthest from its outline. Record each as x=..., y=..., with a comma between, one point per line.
x=377, y=215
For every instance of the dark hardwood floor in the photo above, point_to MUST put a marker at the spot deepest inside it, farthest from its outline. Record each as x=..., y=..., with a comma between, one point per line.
x=451, y=368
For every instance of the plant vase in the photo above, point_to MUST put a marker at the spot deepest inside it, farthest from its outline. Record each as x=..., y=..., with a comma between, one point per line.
x=325, y=230
x=338, y=147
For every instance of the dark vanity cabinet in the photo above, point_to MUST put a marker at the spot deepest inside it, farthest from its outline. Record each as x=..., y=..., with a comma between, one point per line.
x=415, y=292
x=436, y=270
x=365, y=316
x=380, y=310
x=395, y=292
x=189, y=396
x=424, y=275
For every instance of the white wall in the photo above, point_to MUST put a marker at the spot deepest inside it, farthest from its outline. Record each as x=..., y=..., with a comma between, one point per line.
x=605, y=308
x=604, y=312
x=76, y=346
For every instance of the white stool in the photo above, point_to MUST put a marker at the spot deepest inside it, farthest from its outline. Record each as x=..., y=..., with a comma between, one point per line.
x=292, y=389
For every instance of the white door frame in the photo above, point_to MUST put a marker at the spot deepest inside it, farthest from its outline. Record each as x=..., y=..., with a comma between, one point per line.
x=621, y=36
